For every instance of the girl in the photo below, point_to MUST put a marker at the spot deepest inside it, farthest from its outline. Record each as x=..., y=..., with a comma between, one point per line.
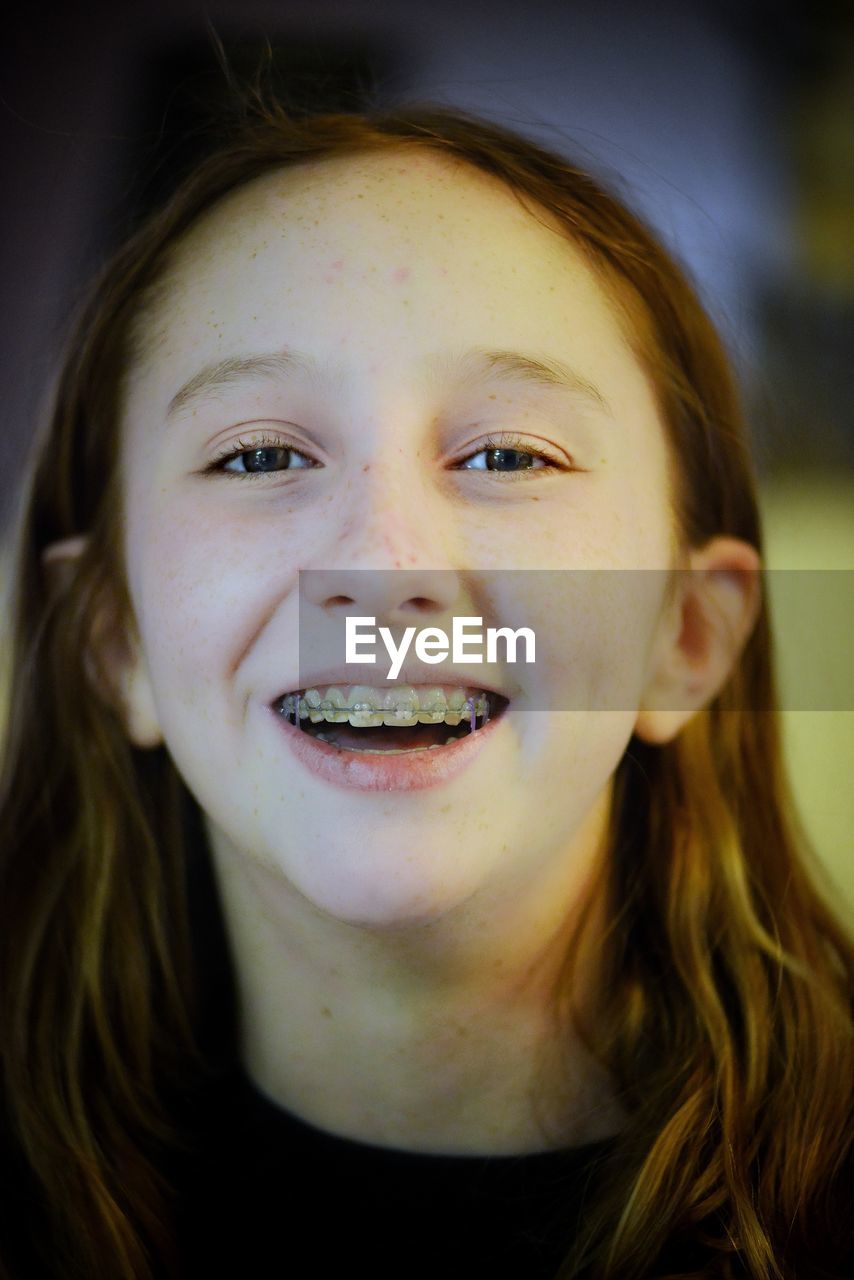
x=563, y=999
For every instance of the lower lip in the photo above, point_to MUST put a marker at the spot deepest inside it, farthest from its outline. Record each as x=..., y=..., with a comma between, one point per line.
x=361, y=771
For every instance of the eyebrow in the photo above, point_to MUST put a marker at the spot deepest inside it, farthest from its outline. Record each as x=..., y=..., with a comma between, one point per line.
x=237, y=369
x=478, y=366
x=471, y=368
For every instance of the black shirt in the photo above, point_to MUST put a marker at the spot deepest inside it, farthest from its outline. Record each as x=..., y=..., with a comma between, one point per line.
x=263, y=1189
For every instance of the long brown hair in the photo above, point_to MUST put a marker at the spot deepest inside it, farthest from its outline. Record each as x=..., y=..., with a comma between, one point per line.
x=726, y=1010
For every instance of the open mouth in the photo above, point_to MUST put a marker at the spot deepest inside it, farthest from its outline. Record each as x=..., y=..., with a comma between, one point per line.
x=389, y=738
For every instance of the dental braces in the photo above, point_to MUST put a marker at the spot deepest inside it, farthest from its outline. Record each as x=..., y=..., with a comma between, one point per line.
x=292, y=705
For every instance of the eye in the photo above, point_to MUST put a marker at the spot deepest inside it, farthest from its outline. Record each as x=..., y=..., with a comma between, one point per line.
x=504, y=451
x=260, y=455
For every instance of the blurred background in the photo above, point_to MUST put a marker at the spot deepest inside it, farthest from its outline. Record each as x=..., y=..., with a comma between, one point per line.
x=728, y=123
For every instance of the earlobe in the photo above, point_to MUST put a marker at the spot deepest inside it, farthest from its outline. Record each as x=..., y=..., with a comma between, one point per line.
x=701, y=636
x=115, y=668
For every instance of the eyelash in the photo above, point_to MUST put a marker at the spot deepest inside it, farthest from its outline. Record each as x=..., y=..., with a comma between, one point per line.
x=501, y=441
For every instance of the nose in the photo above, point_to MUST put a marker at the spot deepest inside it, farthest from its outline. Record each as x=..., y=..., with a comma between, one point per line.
x=384, y=551
x=389, y=595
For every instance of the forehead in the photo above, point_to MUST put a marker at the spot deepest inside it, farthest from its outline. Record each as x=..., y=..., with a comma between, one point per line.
x=335, y=251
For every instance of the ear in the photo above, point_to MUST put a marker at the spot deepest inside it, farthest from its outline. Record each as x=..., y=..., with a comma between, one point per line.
x=113, y=661
x=701, y=635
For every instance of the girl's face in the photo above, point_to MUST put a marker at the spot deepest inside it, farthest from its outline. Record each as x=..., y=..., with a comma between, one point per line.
x=384, y=270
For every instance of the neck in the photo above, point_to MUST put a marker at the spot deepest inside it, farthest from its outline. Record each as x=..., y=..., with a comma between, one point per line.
x=435, y=1037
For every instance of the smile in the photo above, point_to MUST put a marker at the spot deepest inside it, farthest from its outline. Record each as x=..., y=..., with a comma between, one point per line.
x=397, y=757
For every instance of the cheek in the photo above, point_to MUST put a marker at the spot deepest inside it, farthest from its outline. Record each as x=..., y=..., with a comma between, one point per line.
x=608, y=520
x=201, y=595
x=594, y=633
x=639, y=506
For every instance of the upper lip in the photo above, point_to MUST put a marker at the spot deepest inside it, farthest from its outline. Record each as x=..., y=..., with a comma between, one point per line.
x=442, y=674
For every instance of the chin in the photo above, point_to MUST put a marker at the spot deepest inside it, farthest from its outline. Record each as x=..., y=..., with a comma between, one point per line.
x=391, y=906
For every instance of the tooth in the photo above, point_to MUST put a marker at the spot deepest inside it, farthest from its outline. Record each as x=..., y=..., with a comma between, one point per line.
x=456, y=707
x=366, y=706
x=334, y=698
x=405, y=700
x=481, y=704
x=312, y=699
x=434, y=706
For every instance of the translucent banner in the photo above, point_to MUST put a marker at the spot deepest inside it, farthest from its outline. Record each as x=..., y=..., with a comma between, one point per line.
x=582, y=639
